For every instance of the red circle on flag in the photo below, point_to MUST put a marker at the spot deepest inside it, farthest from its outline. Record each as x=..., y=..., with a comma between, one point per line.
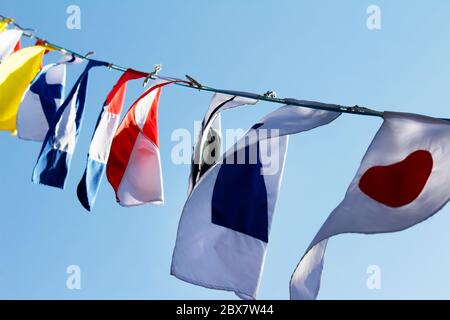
x=398, y=184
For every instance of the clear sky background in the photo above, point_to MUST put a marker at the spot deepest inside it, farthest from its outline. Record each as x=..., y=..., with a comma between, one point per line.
x=318, y=50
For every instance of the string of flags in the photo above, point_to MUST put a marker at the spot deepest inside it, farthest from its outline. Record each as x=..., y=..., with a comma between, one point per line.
x=225, y=224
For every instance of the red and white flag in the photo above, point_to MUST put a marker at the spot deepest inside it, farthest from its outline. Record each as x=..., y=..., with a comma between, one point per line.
x=134, y=166
x=403, y=179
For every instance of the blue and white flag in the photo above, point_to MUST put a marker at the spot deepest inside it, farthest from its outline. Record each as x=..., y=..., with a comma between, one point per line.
x=42, y=100
x=102, y=139
x=54, y=160
x=224, y=228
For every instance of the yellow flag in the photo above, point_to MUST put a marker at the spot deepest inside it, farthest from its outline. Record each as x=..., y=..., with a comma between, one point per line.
x=16, y=73
x=4, y=24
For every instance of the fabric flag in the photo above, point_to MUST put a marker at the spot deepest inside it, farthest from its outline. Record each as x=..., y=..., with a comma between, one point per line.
x=134, y=167
x=16, y=73
x=42, y=100
x=208, y=147
x=9, y=40
x=54, y=160
x=224, y=228
x=403, y=179
x=101, y=140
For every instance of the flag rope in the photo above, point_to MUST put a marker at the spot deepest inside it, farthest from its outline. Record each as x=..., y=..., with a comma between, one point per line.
x=269, y=96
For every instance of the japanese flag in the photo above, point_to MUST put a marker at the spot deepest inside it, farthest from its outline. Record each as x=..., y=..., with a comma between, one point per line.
x=403, y=179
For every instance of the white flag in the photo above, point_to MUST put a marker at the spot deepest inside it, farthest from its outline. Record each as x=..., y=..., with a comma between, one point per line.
x=403, y=179
x=224, y=228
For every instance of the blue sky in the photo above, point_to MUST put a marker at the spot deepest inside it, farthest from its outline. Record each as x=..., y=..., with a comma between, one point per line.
x=319, y=50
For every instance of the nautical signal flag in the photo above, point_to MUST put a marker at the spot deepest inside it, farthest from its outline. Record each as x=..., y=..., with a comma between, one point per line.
x=52, y=166
x=208, y=147
x=42, y=100
x=16, y=73
x=102, y=138
x=224, y=228
x=134, y=166
x=9, y=42
x=403, y=179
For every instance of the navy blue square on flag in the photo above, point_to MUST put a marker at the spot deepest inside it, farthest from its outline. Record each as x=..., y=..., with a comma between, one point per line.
x=239, y=200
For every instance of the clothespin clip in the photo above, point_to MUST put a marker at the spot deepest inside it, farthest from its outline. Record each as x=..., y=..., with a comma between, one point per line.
x=157, y=69
x=359, y=109
x=87, y=55
x=193, y=82
x=270, y=94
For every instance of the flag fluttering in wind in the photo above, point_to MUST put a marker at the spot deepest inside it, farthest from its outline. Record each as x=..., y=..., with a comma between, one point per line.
x=16, y=73
x=9, y=40
x=134, y=165
x=208, y=147
x=102, y=138
x=224, y=228
x=403, y=179
x=54, y=160
x=42, y=100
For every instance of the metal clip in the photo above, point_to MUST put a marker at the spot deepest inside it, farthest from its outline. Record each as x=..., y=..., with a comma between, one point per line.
x=157, y=69
x=358, y=109
x=194, y=82
x=270, y=94
x=87, y=55
x=152, y=75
